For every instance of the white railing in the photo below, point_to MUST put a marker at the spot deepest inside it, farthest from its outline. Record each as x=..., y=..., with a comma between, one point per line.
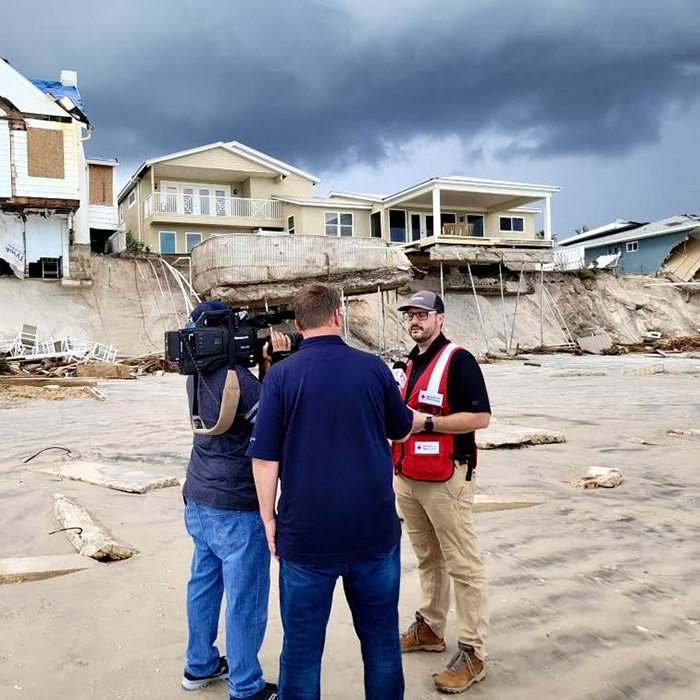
x=211, y=205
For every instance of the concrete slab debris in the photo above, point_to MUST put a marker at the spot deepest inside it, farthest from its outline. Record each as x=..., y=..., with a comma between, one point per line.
x=489, y=504
x=502, y=435
x=647, y=369
x=595, y=344
x=19, y=569
x=678, y=431
x=89, y=536
x=600, y=477
x=116, y=475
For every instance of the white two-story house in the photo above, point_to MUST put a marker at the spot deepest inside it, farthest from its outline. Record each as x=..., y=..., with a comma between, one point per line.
x=53, y=201
x=173, y=202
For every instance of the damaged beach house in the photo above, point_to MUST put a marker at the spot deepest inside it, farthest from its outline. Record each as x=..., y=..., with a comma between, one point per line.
x=254, y=227
x=669, y=247
x=56, y=205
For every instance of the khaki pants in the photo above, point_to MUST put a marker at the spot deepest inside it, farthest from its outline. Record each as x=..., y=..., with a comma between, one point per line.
x=438, y=520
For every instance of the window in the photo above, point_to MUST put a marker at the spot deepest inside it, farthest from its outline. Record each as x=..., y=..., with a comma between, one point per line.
x=45, y=153
x=376, y=224
x=446, y=219
x=338, y=223
x=132, y=198
x=167, y=241
x=291, y=228
x=633, y=246
x=121, y=213
x=397, y=225
x=204, y=202
x=188, y=200
x=512, y=223
x=191, y=240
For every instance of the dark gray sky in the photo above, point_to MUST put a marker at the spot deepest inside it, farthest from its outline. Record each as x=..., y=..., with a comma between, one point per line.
x=373, y=95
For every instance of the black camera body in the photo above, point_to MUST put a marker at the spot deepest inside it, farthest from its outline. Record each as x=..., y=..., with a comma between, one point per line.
x=210, y=343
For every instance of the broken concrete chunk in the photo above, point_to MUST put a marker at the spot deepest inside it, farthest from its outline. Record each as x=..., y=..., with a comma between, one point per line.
x=678, y=431
x=600, y=477
x=117, y=476
x=89, y=537
x=18, y=569
x=502, y=435
x=595, y=344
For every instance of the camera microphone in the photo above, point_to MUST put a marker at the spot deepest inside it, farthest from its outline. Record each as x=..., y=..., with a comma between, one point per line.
x=399, y=372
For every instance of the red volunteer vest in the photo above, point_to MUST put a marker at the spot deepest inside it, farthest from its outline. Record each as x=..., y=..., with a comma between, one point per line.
x=428, y=456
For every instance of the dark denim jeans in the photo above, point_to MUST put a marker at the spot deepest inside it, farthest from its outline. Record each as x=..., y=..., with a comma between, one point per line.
x=372, y=591
x=231, y=555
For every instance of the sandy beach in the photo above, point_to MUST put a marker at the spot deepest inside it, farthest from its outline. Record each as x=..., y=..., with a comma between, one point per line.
x=594, y=594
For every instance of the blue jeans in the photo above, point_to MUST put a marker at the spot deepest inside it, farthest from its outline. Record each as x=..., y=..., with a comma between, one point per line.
x=230, y=554
x=372, y=591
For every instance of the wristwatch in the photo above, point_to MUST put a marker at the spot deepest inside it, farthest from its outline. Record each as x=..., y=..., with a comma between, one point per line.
x=428, y=424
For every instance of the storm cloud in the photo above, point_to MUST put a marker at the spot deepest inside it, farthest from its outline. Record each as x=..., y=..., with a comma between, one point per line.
x=329, y=84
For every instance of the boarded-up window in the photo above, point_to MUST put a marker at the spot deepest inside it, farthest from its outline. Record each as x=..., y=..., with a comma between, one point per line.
x=45, y=153
x=101, y=184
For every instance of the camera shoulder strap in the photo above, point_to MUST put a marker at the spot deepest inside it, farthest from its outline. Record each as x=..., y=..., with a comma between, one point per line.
x=229, y=405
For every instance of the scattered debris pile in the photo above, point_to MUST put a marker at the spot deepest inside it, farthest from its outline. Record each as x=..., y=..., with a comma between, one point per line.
x=61, y=367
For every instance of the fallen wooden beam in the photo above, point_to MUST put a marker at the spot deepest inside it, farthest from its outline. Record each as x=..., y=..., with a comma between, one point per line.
x=117, y=476
x=89, y=536
x=18, y=569
x=105, y=370
x=489, y=504
x=46, y=381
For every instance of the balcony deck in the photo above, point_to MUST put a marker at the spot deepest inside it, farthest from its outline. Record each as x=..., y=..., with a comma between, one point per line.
x=212, y=210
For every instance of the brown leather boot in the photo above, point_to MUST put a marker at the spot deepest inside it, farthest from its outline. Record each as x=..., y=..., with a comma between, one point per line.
x=463, y=670
x=421, y=638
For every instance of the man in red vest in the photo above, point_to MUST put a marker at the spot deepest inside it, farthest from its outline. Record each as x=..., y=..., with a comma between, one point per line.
x=435, y=483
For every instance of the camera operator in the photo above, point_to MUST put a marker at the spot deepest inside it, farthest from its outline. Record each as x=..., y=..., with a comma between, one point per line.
x=230, y=549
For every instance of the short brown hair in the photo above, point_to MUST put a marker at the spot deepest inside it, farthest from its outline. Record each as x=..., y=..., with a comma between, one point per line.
x=314, y=305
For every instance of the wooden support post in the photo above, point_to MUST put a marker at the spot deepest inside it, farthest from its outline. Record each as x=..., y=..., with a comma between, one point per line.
x=478, y=308
x=541, y=305
x=503, y=307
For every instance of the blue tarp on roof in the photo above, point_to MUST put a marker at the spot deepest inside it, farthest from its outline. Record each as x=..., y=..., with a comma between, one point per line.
x=57, y=90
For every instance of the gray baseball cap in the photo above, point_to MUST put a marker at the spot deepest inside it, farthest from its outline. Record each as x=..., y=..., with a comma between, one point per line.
x=424, y=300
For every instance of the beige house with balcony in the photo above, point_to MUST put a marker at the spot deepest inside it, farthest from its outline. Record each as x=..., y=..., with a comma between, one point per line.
x=173, y=202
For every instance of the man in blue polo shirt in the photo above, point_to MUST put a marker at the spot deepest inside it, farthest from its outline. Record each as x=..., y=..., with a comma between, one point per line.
x=324, y=418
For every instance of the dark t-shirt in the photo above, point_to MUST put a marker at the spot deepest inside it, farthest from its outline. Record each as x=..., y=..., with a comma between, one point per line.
x=325, y=415
x=219, y=474
x=466, y=389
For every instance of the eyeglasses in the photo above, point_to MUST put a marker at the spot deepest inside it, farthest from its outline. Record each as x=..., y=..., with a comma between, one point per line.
x=420, y=315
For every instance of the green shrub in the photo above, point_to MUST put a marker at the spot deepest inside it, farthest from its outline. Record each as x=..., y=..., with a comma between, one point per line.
x=133, y=245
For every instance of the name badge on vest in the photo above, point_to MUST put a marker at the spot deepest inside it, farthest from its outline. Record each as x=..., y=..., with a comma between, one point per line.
x=430, y=399
x=427, y=448
x=400, y=377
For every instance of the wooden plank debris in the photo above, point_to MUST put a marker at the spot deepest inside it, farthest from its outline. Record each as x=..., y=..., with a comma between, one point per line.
x=119, y=476
x=19, y=569
x=89, y=536
x=46, y=381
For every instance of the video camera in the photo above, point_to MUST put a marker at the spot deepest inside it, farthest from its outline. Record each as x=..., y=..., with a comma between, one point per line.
x=228, y=336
